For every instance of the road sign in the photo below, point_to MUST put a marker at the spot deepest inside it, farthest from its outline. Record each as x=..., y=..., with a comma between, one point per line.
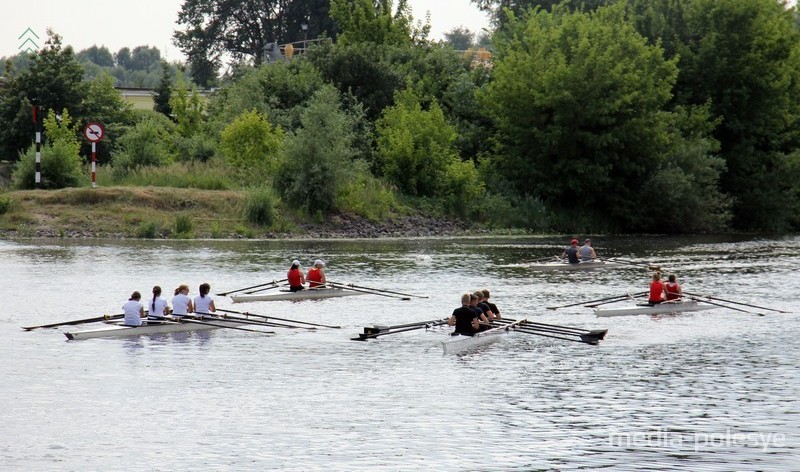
x=94, y=132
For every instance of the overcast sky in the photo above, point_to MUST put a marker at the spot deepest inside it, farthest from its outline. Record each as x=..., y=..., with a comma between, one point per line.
x=117, y=24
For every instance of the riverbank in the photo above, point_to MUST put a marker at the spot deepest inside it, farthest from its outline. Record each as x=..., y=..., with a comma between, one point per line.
x=164, y=213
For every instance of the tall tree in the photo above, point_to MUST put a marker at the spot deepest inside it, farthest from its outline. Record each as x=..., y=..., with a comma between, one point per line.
x=98, y=55
x=373, y=21
x=500, y=9
x=243, y=28
x=460, y=38
x=164, y=91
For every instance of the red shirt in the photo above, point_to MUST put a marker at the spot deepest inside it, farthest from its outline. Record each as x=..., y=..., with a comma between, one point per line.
x=656, y=291
x=295, y=277
x=314, y=277
x=672, y=291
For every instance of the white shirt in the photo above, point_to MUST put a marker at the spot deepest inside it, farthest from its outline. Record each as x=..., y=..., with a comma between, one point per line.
x=180, y=304
x=202, y=304
x=158, y=311
x=132, y=310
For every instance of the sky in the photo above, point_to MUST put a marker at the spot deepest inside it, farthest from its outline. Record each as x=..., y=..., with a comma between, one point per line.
x=116, y=24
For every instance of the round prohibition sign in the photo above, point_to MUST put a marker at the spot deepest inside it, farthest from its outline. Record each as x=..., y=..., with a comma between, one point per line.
x=94, y=132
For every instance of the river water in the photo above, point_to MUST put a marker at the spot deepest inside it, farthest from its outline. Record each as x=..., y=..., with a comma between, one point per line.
x=712, y=390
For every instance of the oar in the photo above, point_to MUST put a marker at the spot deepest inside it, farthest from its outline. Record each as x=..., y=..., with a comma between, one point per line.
x=384, y=291
x=736, y=303
x=184, y=319
x=564, y=329
x=270, y=324
x=365, y=336
x=275, y=318
x=250, y=292
x=545, y=259
x=346, y=287
x=584, y=338
x=724, y=306
x=76, y=322
x=378, y=329
x=595, y=333
x=620, y=297
x=248, y=288
x=646, y=265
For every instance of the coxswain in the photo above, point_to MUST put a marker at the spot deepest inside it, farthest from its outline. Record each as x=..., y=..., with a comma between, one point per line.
x=571, y=253
x=587, y=251
x=672, y=289
x=295, y=277
x=203, y=303
x=495, y=310
x=464, y=318
x=316, y=275
x=134, y=311
x=157, y=307
x=181, y=303
x=656, y=290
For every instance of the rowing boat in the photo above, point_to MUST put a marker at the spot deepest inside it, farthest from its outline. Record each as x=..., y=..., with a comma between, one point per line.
x=460, y=343
x=151, y=327
x=563, y=265
x=308, y=294
x=647, y=309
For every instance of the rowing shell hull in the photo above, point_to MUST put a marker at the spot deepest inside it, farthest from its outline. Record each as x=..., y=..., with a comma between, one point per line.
x=661, y=308
x=580, y=266
x=461, y=343
x=308, y=294
x=119, y=331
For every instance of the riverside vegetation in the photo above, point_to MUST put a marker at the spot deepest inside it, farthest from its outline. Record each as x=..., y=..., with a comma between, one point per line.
x=620, y=116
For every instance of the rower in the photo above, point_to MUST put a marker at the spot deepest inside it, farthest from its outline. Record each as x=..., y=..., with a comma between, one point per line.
x=181, y=303
x=672, y=289
x=133, y=309
x=316, y=275
x=493, y=307
x=157, y=308
x=295, y=277
x=479, y=311
x=587, y=251
x=485, y=308
x=656, y=290
x=571, y=253
x=464, y=318
x=203, y=303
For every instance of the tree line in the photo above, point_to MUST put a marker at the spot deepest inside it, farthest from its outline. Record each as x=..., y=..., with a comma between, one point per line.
x=626, y=116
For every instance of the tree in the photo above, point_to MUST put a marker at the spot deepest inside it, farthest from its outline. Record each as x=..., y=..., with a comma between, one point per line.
x=98, y=55
x=147, y=144
x=500, y=9
x=123, y=57
x=163, y=92
x=61, y=163
x=242, y=29
x=460, y=38
x=252, y=146
x=372, y=21
x=144, y=57
x=187, y=108
x=105, y=105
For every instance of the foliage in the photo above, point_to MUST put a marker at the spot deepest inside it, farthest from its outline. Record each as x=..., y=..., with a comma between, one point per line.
x=372, y=21
x=6, y=202
x=183, y=226
x=242, y=30
x=140, y=58
x=204, y=176
x=317, y=165
x=187, y=108
x=418, y=153
x=459, y=38
x=163, y=92
x=259, y=206
x=147, y=144
x=97, y=55
x=103, y=104
x=252, y=146
x=366, y=195
x=502, y=11
x=197, y=147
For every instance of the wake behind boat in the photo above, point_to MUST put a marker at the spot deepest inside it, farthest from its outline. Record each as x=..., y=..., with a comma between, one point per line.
x=307, y=294
x=660, y=308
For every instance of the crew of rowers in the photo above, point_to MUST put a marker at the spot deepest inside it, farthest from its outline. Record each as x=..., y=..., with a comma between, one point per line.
x=315, y=277
x=158, y=309
x=661, y=291
x=576, y=255
x=475, y=314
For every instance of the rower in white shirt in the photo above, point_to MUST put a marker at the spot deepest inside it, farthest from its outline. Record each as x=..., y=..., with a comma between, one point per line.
x=157, y=307
x=134, y=311
x=203, y=303
x=181, y=303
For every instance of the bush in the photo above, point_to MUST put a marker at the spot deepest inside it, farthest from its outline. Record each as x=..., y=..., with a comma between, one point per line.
x=6, y=203
x=259, y=207
x=197, y=147
x=367, y=196
x=183, y=226
x=61, y=167
x=252, y=146
x=147, y=144
x=148, y=230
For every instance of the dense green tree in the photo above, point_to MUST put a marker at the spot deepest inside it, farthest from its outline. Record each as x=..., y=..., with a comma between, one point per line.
x=578, y=100
x=61, y=163
x=500, y=9
x=317, y=164
x=144, y=58
x=163, y=92
x=459, y=38
x=97, y=55
x=123, y=57
x=242, y=29
x=147, y=144
x=252, y=146
x=187, y=108
x=104, y=104
x=373, y=21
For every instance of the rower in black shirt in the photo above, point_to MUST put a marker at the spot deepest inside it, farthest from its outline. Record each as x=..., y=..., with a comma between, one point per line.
x=464, y=318
x=485, y=308
x=495, y=310
x=479, y=312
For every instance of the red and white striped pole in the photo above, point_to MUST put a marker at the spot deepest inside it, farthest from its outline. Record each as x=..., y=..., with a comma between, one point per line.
x=94, y=132
x=94, y=164
x=37, y=124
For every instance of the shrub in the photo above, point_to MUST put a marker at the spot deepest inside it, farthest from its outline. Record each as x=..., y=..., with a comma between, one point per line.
x=147, y=144
x=148, y=230
x=6, y=203
x=251, y=145
x=183, y=226
x=259, y=207
x=61, y=167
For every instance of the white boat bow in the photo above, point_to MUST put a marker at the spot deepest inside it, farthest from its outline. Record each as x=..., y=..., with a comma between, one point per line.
x=647, y=309
x=307, y=294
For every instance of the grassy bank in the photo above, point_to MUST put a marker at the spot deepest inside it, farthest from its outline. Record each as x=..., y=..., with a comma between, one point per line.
x=129, y=212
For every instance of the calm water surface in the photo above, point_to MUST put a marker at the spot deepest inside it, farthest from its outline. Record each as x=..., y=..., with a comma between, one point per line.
x=713, y=390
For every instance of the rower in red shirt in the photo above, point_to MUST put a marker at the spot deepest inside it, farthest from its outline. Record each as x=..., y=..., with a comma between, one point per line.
x=316, y=275
x=672, y=289
x=656, y=290
x=295, y=277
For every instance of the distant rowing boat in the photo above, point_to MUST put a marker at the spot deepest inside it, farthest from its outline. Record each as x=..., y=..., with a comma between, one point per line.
x=461, y=343
x=152, y=327
x=563, y=265
x=646, y=309
x=307, y=294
